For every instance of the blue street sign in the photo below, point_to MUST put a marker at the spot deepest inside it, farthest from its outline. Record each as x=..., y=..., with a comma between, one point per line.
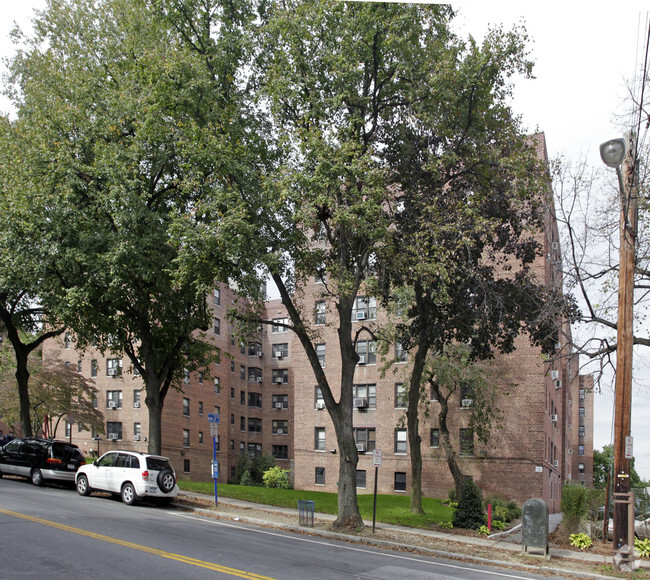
x=213, y=417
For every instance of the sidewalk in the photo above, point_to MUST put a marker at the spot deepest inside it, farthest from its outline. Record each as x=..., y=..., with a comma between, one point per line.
x=454, y=546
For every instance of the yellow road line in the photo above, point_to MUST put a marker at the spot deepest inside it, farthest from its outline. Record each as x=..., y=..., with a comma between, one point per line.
x=146, y=549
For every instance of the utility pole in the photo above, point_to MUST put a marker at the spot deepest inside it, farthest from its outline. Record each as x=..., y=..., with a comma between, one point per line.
x=623, y=496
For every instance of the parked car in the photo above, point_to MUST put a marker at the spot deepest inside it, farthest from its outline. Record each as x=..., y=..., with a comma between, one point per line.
x=641, y=528
x=41, y=460
x=130, y=474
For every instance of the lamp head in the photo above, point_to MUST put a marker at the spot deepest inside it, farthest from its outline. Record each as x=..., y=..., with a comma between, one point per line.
x=612, y=152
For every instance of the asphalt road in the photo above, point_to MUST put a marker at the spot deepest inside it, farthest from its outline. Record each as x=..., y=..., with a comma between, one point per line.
x=53, y=533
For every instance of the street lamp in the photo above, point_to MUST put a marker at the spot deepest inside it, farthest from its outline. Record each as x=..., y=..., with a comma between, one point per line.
x=617, y=155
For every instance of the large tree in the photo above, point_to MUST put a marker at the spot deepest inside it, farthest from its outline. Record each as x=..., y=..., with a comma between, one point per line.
x=469, y=216
x=134, y=114
x=338, y=78
x=28, y=292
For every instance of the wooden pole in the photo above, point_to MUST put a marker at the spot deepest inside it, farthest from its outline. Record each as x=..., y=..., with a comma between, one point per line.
x=623, y=406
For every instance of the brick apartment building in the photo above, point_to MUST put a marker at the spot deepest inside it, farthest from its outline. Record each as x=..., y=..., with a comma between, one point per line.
x=265, y=394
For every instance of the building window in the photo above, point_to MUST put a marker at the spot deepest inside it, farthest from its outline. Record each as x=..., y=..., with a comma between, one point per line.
x=232, y=366
x=366, y=349
x=254, y=375
x=365, y=308
x=280, y=401
x=186, y=437
x=400, y=396
x=255, y=349
x=465, y=395
x=79, y=366
x=216, y=297
x=466, y=442
x=400, y=481
x=114, y=367
x=114, y=399
x=581, y=412
x=581, y=467
x=186, y=376
x=186, y=407
x=137, y=431
x=581, y=431
x=242, y=398
x=232, y=418
x=581, y=393
x=200, y=437
x=319, y=438
x=434, y=440
x=67, y=341
x=254, y=449
x=217, y=326
x=217, y=385
x=280, y=350
x=321, y=275
x=361, y=478
x=200, y=377
x=280, y=376
x=68, y=430
x=137, y=395
x=200, y=407
x=254, y=425
x=401, y=354
x=367, y=395
x=93, y=368
x=365, y=439
x=279, y=325
x=113, y=430
x=320, y=476
x=255, y=400
x=232, y=445
x=320, y=312
x=242, y=423
x=218, y=357
x=186, y=465
x=232, y=392
x=581, y=449
x=280, y=451
x=280, y=427
x=320, y=353
x=319, y=400
x=400, y=441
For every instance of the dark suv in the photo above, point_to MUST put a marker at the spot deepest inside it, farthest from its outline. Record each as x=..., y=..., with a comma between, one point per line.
x=40, y=460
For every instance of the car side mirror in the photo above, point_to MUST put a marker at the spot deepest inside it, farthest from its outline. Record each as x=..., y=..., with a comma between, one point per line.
x=95, y=463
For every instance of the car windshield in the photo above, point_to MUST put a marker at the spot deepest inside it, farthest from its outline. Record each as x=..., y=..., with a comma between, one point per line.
x=158, y=463
x=65, y=451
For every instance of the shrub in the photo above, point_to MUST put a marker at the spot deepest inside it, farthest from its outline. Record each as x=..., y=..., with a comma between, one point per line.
x=469, y=513
x=484, y=531
x=246, y=479
x=581, y=541
x=445, y=525
x=574, y=506
x=498, y=525
x=256, y=466
x=642, y=548
x=502, y=510
x=277, y=477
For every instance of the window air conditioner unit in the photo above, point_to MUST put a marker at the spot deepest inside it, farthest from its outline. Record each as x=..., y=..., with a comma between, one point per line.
x=361, y=447
x=112, y=372
x=555, y=245
x=136, y=438
x=554, y=418
x=360, y=403
x=280, y=431
x=558, y=346
x=362, y=360
x=112, y=404
x=466, y=403
x=279, y=357
x=557, y=384
x=112, y=436
x=279, y=405
x=259, y=379
x=556, y=463
x=322, y=363
x=569, y=451
x=136, y=405
x=555, y=375
x=361, y=315
x=279, y=380
x=259, y=353
x=320, y=405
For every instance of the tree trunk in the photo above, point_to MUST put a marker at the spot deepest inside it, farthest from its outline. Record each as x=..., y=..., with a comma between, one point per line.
x=154, y=404
x=413, y=426
x=445, y=441
x=22, y=379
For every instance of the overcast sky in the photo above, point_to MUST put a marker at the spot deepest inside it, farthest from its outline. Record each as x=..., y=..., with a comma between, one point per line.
x=584, y=53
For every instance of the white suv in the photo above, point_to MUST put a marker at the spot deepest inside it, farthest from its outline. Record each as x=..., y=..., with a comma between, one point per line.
x=131, y=474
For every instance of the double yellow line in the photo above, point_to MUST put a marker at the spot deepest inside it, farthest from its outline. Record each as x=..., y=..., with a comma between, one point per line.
x=146, y=549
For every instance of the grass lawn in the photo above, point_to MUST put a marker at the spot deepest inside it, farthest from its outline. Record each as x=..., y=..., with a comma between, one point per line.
x=391, y=509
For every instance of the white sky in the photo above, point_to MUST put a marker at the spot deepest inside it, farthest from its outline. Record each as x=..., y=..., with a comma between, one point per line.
x=584, y=51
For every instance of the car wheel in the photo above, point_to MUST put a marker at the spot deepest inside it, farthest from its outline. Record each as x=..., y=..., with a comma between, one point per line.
x=82, y=485
x=37, y=477
x=166, y=481
x=129, y=496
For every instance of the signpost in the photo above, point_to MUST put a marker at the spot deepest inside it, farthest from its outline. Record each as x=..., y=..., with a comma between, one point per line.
x=376, y=462
x=213, y=419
